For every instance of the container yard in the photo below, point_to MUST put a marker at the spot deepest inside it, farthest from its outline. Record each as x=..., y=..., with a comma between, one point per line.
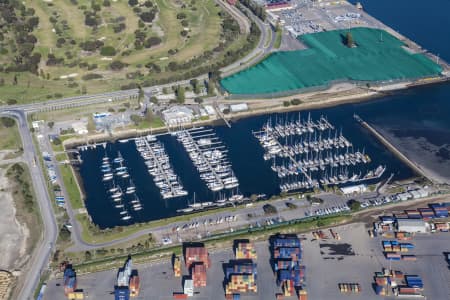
x=357, y=258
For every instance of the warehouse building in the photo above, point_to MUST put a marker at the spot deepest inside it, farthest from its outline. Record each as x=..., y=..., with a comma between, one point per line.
x=411, y=225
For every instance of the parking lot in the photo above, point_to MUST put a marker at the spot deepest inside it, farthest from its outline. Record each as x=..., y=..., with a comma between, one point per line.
x=353, y=259
x=309, y=17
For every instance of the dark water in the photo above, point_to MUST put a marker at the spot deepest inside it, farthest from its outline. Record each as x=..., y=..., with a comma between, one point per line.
x=417, y=121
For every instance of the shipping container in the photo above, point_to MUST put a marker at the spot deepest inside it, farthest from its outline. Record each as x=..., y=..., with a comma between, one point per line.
x=122, y=293
x=199, y=275
x=197, y=254
x=75, y=296
x=134, y=286
x=179, y=296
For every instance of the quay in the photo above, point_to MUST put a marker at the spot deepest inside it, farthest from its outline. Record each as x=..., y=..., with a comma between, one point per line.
x=392, y=148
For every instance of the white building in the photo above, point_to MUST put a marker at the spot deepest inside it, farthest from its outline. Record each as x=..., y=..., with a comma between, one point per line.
x=354, y=189
x=411, y=225
x=178, y=115
x=80, y=127
x=238, y=107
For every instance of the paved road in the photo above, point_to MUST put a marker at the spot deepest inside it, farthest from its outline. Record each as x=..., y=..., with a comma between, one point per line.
x=39, y=261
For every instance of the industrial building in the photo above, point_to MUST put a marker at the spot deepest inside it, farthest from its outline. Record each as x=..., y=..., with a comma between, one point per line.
x=411, y=225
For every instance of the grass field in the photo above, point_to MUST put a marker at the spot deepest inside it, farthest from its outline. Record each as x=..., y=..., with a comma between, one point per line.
x=10, y=138
x=62, y=32
x=70, y=183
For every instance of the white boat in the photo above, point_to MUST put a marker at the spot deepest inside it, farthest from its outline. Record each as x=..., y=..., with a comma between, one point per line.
x=127, y=217
x=123, y=212
x=119, y=206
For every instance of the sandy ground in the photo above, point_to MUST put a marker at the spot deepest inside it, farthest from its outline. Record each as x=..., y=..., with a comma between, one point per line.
x=13, y=235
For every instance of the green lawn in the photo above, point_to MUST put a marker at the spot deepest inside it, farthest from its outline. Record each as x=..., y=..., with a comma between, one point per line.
x=10, y=138
x=70, y=183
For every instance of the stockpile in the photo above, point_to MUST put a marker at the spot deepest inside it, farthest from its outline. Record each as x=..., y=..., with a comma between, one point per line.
x=6, y=280
x=241, y=277
x=196, y=254
x=286, y=258
x=177, y=266
x=199, y=275
x=245, y=250
x=349, y=287
x=70, y=280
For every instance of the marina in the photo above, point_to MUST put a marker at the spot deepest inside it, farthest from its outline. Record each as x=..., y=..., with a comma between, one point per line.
x=309, y=154
x=221, y=166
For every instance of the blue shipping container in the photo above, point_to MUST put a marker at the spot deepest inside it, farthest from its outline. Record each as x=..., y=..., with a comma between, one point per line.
x=122, y=293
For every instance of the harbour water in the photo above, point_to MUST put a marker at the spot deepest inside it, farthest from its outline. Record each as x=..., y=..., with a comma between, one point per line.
x=416, y=121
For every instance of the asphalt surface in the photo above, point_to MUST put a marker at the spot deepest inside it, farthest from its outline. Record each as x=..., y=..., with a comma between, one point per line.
x=41, y=256
x=353, y=259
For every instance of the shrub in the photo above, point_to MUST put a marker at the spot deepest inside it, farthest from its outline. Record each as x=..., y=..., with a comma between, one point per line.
x=91, y=76
x=108, y=51
x=269, y=209
x=117, y=65
x=8, y=122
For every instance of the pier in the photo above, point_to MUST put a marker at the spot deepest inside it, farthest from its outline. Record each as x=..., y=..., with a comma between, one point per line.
x=392, y=148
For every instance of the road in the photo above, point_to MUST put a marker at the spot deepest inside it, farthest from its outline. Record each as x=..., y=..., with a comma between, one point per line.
x=41, y=256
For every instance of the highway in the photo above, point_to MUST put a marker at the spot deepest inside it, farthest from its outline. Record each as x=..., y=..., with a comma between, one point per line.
x=41, y=256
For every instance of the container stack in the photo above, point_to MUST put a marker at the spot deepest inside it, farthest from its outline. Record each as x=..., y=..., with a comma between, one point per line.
x=349, y=288
x=413, y=214
x=196, y=254
x=199, y=275
x=383, y=281
x=70, y=280
x=403, y=236
x=177, y=267
x=443, y=227
x=245, y=250
x=413, y=287
x=302, y=295
x=241, y=283
x=288, y=288
x=75, y=296
x=427, y=213
x=440, y=210
x=233, y=297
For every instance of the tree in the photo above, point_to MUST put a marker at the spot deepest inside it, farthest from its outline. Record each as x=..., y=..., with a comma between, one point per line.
x=180, y=94
x=354, y=205
x=64, y=234
x=198, y=100
x=87, y=255
x=269, y=209
x=296, y=101
x=349, y=40
x=8, y=122
x=50, y=124
x=286, y=103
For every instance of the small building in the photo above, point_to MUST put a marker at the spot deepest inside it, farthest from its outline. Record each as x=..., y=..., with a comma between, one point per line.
x=177, y=115
x=234, y=108
x=411, y=225
x=354, y=189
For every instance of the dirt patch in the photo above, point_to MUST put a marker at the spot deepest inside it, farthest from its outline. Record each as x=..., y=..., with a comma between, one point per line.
x=13, y=235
